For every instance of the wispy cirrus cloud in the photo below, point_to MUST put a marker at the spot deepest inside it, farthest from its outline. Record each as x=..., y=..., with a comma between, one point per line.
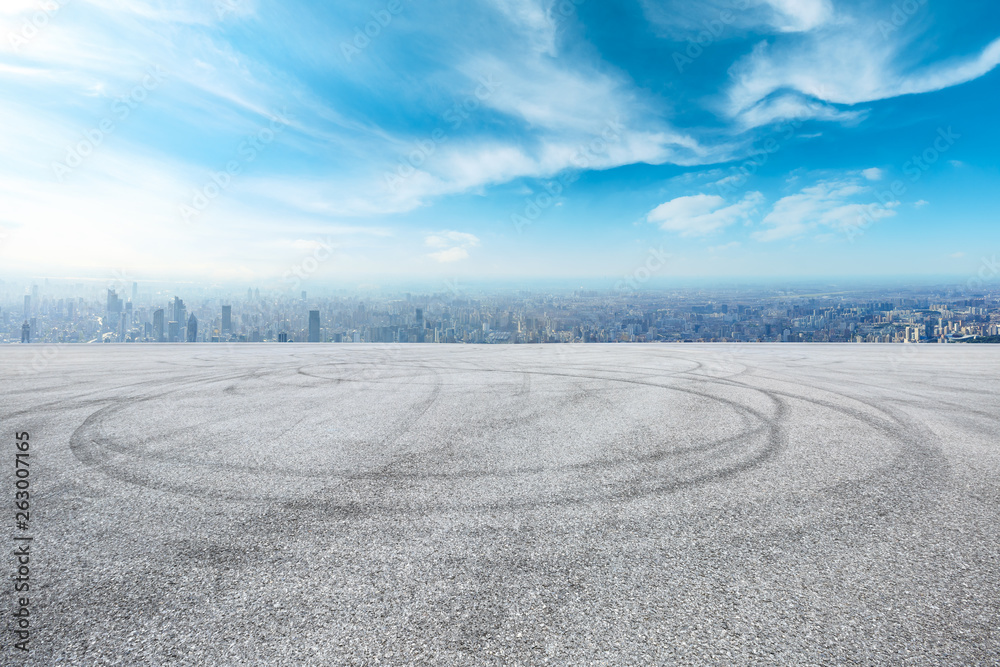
x=844, y=62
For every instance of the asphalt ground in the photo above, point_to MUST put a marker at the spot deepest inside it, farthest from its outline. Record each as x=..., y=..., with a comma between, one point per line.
x=466, y=505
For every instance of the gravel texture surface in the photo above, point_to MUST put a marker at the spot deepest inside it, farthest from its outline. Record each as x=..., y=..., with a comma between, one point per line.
x=606, y=505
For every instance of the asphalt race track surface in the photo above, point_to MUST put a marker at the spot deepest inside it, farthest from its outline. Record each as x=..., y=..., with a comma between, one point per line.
x=444, y=504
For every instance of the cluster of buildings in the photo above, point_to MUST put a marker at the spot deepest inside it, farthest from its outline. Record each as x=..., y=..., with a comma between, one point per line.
x=115, y=315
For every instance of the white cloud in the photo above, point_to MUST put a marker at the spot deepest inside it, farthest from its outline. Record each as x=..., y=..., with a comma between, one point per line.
x=444, y=239
x=702, y=214
x=800, y=15
x=921, y=203
x=842, y=60
x=449, y=255
x=830, y=204
x=957, y=255
x=872, y=174
x=680, y=19
x=454, y=246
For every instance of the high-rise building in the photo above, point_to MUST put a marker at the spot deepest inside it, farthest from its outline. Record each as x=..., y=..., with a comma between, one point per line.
x=25, y=332
x=227, y=319
x=420, y=325
x=135, y=292
x=173, y=331
x=313, y=326
x=114, y=305
x=27, y=306
x=192, y=329
x=282, y=337
x=179, y=311
x=158, y=326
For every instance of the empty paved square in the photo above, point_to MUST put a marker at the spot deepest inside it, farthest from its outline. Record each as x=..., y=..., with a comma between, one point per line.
x=365, y=504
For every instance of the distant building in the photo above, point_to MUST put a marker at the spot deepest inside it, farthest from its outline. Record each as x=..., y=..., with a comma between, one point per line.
x=26, y=332
x=27, y=306
x=282, y=337
x=179, y=313
x=313, y=326
x=114, y=305
x=173, y=331
x=227, y=319
x=192, y=329
x=158, y=326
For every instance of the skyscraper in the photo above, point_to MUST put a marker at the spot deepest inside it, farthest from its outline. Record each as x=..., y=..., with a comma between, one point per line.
x=173, y=331
x=158, y=328
x=27, y=306
x=192, y=329
x=313, y=326
x=25, y=332
x=114, y=305
x=227, y=319
x=135, y=292
x=179, y=313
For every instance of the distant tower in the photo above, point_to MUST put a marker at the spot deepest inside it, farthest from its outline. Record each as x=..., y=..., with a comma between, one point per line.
x=173, y=331
x=25, y=332
x=114, y=304
x=179, y=310
x=313, y=326
x=158, y=329
x=192, y=329
x=27, y=306
x=282, y=337
x=227, y=319
x=135, y=292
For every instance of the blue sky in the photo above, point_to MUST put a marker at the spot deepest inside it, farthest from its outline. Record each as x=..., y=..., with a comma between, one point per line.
x=238, y=140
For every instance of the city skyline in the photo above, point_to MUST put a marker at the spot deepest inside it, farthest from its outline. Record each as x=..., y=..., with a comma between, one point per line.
x=67, y=314
x=240, y=141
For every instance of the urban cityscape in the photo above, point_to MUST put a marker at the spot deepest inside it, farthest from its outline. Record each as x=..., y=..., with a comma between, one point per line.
x=73, y=313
